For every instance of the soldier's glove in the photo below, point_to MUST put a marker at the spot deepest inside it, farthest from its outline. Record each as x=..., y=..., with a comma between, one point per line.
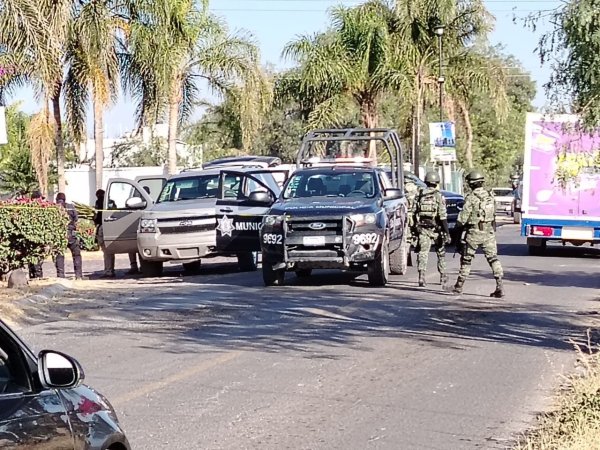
x=447, y=238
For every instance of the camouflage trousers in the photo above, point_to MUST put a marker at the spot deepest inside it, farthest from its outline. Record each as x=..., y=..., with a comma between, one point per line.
x=487, y=241
x=427, y=238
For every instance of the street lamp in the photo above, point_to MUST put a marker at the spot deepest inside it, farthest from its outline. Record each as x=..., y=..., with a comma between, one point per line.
x=439, y=31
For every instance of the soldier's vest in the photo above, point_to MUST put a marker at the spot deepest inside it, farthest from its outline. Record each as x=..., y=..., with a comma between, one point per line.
x=427, y=207
x=484, y=211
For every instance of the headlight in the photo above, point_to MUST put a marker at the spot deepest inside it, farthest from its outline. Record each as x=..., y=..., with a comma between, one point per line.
x=273, y=220
x=148, y=226
x=362, y=219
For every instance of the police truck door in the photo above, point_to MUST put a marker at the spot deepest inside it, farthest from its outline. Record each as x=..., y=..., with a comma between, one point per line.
x=244, y=198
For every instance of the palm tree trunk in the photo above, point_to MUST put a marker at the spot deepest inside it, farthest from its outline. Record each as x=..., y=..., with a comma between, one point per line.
x=99, y=140
x=417, y=122
x=58, y=139
x=173, y=121
x=370, y=119
x=464, y=111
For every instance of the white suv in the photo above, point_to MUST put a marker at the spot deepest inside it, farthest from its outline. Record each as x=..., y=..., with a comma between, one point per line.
x=198, y=214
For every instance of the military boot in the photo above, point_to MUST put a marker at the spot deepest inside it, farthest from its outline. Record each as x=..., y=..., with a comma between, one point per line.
x=499, y=292
x=422, y=282
x=458, y=287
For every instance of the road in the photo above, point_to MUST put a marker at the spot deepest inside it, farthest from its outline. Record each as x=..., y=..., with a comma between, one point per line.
x=217, y=361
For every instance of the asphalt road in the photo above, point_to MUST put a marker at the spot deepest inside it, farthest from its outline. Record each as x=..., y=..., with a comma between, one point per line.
x=217, y=361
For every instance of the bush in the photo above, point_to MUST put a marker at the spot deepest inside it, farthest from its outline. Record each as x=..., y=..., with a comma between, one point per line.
x=86, y=233
x=30, y=230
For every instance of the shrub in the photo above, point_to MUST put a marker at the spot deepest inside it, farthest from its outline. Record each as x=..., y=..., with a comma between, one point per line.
x=30, y=230
x=86, y=233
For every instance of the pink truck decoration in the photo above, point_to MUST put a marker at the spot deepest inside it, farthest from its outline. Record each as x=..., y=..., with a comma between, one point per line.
x=561, y=182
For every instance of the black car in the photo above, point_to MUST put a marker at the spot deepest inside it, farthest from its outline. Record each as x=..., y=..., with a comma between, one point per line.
x=43, y=403
x=336, y=217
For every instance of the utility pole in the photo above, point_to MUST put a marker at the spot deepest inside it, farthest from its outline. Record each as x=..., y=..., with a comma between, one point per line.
x=439, y=31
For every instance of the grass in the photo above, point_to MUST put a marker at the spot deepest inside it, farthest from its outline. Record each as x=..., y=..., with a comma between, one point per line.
x=575, y=424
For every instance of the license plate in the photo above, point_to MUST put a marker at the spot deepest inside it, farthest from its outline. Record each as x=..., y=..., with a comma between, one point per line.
x=313, y=241
x=577, y=233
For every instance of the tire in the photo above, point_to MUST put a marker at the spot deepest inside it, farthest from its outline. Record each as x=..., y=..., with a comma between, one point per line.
x=248, y=262
x=303, y=273
x=537, y=250
x=517, y=217
x=151, y=268
x=378, y=271
x=272, y=277
x=399, y=258
x=192, y=267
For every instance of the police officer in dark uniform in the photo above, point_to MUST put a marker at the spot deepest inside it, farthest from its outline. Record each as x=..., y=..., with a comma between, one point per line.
x=73, y=242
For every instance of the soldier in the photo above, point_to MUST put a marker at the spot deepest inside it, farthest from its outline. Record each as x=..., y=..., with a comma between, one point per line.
x=73, y=242
x=477, y=219
x=431, y=220
x=412, y=190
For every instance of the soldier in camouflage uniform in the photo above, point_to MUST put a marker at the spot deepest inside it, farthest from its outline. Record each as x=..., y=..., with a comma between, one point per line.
x=411, y=190
x=431, y=218
x=477, y=219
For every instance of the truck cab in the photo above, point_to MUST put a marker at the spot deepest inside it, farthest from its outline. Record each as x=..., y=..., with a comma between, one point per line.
x=339, y=210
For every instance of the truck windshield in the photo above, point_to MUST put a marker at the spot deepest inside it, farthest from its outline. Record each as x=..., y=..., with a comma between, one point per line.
x=331, y=183
x=190, y=188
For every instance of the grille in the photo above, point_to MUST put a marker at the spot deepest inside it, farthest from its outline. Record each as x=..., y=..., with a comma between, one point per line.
x=302, y=227
x=454, y=206
x=188, y=229
x=179, y=219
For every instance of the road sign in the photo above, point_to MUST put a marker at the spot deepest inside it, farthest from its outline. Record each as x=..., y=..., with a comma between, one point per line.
x=442, y=138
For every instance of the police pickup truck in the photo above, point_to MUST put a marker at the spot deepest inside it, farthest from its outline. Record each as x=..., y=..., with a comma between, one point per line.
x=339, y=210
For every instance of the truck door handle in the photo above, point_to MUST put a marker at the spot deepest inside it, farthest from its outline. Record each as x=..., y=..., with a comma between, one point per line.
x=110, y=219
x=226, y=210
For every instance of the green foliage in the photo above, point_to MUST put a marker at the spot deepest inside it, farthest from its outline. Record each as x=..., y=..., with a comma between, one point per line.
x=84, y=212
x=30, y=231
x=86, y=233
x=572, y=49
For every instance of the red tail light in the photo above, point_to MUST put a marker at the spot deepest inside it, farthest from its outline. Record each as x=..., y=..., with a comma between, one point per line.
x=542, y=231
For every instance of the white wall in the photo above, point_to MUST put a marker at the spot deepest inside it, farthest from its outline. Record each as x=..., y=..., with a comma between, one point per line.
x=81, y=181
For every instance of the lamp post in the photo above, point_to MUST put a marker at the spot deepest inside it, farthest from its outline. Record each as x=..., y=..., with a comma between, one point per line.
x=439, y=31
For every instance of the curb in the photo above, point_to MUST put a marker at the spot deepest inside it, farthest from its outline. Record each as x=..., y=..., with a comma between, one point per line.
x=44, y=296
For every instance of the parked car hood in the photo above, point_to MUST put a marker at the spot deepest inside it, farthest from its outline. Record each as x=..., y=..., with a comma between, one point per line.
x=448, y=194
x=198, y=207
x=325, y=206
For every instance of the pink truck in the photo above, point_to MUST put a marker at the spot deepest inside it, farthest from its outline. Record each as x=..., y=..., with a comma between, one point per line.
x=561, y=183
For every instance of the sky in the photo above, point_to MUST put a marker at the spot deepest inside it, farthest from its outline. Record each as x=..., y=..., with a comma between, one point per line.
x=273, y=23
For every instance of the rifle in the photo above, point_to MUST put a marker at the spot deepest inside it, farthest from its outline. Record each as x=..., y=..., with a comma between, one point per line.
x=460, y=245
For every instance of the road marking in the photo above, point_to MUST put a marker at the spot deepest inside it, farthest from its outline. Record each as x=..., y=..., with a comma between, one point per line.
x=168, y=381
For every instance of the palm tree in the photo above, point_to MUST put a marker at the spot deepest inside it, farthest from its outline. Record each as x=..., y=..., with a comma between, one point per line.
x=92, y=61
x=39, y=136
x=356, y=59
x=180, y=45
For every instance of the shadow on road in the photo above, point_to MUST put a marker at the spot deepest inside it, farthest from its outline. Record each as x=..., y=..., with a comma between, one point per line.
x=321, y=319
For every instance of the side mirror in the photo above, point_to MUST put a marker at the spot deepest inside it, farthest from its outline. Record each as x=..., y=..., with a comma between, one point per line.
x=393, y=194
x=59, y=371
x=261, y=197
x=135, y=203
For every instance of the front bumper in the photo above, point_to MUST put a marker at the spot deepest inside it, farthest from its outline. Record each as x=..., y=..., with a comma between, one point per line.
x=169, y=247
x=348, y=247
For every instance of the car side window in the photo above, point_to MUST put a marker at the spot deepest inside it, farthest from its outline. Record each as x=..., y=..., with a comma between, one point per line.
x=232, y=186
x=118, y=194
x=14, y=376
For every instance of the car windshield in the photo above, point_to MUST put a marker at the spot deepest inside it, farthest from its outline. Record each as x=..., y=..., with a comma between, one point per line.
x=502, y=192
x=331, y=183
x=190, y=188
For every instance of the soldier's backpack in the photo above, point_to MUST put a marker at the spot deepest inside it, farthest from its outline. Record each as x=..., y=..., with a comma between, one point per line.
x=427, y=205
x=486, y=209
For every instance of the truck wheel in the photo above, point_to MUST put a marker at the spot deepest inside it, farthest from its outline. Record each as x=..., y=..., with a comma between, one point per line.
x=378, y=271
x=537, y=250
x=399, y=259
x=517, y=217
x=248, y=262
x=151, y=268
x=192, y=267
x=303, y=273
x=272, y=277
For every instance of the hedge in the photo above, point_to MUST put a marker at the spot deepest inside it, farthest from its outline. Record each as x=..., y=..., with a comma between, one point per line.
x=30, y=230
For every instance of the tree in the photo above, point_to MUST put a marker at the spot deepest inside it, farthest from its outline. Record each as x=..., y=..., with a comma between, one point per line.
x=572, y=49
x=92, y=62
x=39, y=136
x=356, y=59
x=173, y=45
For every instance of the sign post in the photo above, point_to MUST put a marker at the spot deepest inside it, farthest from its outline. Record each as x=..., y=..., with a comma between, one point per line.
x=442, y=139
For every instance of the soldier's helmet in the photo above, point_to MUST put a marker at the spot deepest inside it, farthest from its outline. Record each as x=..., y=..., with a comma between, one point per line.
x=475, y=177
x=432, y=178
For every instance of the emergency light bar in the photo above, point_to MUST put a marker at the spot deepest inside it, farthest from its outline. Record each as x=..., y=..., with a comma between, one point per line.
x=342, y=161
